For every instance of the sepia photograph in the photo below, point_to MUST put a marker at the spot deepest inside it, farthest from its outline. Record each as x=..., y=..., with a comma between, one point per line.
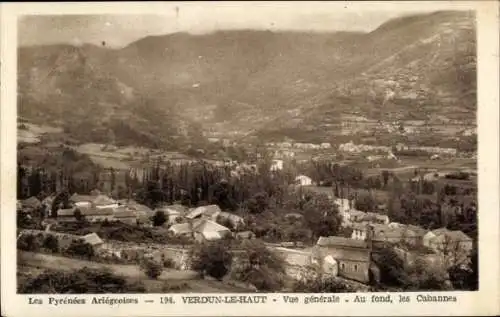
x=246, y=148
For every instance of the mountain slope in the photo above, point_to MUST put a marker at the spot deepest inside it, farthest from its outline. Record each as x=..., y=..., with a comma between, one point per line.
x=246, y=82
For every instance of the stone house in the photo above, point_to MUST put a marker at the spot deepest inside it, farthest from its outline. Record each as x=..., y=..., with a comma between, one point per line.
x=346, y=257
x=303, y=180
x=455, y=246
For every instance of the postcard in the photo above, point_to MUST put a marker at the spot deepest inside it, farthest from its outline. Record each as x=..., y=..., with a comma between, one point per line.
x=250, y=158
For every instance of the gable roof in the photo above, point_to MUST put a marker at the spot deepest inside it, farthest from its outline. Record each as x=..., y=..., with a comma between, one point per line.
x=211, y=235
x=177, y=207
x=180, y=228
x=458, y=235
x=230, y=216
x=382, y=232
x=76, y=198
x=68, y=212
x=97, y=212
x=103, y=200
x=208, y=225
x=123, y=212
x=209, y=210
x=172, y=210
x=334, y=241
x=92, y=239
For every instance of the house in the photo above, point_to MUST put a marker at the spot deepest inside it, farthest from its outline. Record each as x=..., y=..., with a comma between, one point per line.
x=209, y=212
x=142, y=212
x=303, y=180
x=277, y=165
x=207, y=230
x=376, y=218
x=359, y=231
x=103, y=201
x=181, y=229
x=173, y=212
x=90, y=214
x=294, y=216
x=325, y=145
x=346, y=257
x=356, y=215
x=81, y=200
x=201, y=230
x=93, y=239
x=382, y=234
x=244, y=235
x=343, y=204
x=456, y=246
x=124, y=215
x=31, y=203
x=234, y=220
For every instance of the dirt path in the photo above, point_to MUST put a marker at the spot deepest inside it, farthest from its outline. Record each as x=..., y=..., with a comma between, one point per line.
x=64, y=263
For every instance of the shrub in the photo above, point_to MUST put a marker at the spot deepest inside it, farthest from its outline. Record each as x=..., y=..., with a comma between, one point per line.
x=318, y=284
x=169, y=263
x=151, y=268
x=213, y=258
x=159, y=218
x=28, y=242
x=80, y=248
x=51, y=243
x=259, y=266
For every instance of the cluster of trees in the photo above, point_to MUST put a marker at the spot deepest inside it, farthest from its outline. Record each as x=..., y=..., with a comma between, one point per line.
x=252, y=263
x=396, y=273
x=195, y=184
x=49, y=243
x=62, y=168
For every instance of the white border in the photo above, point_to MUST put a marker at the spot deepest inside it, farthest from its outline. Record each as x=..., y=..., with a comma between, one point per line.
x=483, y=302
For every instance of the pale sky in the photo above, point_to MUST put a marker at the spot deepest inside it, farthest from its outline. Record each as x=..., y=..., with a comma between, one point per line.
x=118, y=30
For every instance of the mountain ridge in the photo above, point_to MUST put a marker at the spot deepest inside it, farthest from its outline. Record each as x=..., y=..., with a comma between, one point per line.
x=239, y=82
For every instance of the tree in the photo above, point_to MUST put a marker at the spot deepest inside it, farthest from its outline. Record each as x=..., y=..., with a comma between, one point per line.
x=51, y=243
x=259, y=266
x=258, y=203
x=321, y=217
x=159, y=218
x=80, y=248
x=151, y=268
x=465, y=277
x=78, y=215
x=212, y=258
x=28, y=242
x=385, y=177
x=392, y=268
x=365, y=202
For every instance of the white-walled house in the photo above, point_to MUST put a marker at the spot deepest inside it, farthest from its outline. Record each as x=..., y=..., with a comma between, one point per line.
x=303, y=180
x=277, y=165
